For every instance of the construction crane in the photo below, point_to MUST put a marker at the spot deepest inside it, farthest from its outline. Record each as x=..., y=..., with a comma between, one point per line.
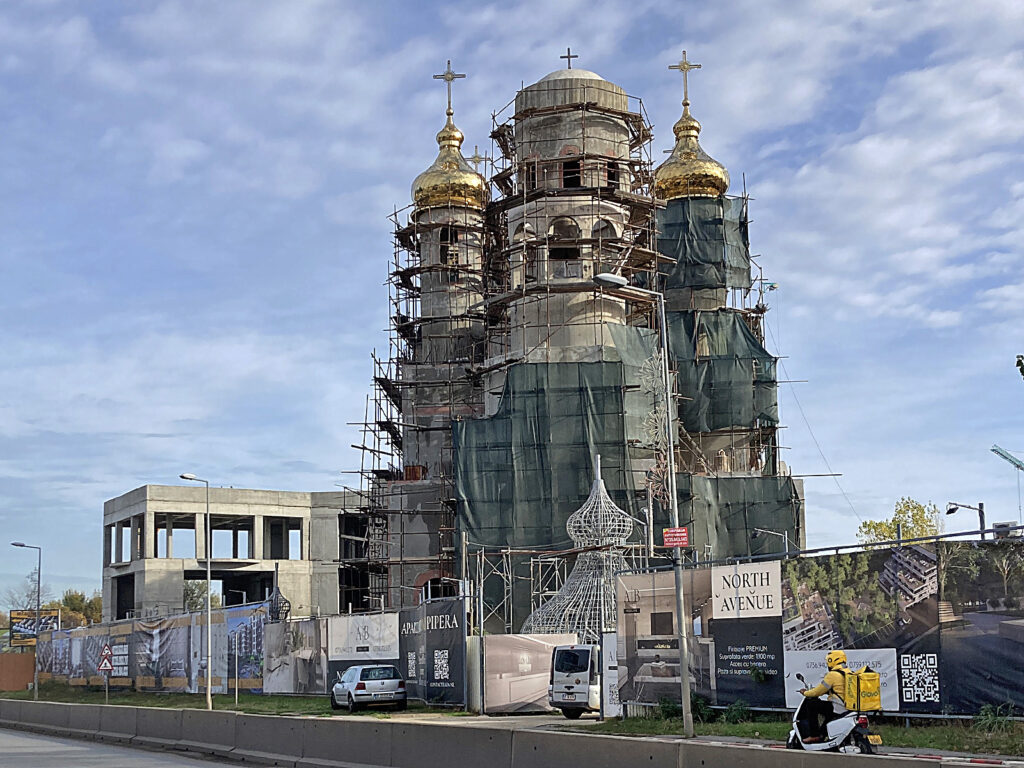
x=1005, y=455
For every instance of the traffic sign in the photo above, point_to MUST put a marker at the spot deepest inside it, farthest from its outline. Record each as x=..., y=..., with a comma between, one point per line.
x=676, y=537
x=106, y=665
x=106, y=653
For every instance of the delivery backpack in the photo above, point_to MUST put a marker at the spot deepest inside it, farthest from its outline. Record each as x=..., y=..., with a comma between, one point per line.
x=862, y=689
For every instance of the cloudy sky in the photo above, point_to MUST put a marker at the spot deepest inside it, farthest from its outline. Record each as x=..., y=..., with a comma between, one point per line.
x=193, y=232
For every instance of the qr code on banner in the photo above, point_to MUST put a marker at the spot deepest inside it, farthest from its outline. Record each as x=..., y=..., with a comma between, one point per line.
x=441, y=671
x=410, y=661
x=919, y=678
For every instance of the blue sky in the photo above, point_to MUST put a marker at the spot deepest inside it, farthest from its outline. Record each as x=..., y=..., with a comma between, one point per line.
x=193, y=232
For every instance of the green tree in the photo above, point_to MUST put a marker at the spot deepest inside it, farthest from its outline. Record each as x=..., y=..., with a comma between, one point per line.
x=917, y=520
x=195, y=596
x=958, y=563
x=1006, y=560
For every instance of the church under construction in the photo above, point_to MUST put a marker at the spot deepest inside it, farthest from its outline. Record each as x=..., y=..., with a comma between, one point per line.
x=509, y=369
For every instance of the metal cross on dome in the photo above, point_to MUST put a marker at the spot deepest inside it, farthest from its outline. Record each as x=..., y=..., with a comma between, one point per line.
x=685, y=66
x=569, y=56
x=449, y=77
x=477, y=158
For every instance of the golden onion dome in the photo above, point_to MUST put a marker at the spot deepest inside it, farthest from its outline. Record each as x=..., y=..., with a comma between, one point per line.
x=689, y=171
x=449, y=180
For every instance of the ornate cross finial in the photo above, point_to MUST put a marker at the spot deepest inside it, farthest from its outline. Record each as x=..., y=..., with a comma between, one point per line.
x=685, y=66
x=569, y=56
x=448, y=76
x=477, y=158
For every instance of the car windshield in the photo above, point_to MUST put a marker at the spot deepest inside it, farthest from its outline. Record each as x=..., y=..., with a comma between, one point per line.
x=379, y=673
x=572, y=662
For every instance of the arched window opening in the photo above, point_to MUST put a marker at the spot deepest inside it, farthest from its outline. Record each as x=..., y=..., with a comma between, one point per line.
x=604, y=230
x=563, y=236
x=522, y=232
x=571, y=174
x=449, y=252
x=613, y=176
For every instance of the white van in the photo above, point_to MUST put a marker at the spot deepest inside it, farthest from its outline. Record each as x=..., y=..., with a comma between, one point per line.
x=575, y=683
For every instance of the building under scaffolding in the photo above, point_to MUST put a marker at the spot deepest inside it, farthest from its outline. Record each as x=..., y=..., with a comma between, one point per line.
x=509, y=369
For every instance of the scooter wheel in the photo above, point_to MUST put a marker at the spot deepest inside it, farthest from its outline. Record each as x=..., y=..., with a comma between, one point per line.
x=864, y=746
x=793, y=743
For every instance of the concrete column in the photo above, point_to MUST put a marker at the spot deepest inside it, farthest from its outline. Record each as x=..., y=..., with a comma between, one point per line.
x=200, y=523
x=133, y=539
x=257, y=538
x=149, y=534
x=118, y=542
x=234, y=543
x=108, y=531
x=170, y=535
x=304, y=538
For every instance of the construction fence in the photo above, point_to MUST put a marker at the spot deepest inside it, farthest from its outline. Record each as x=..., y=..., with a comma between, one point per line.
x=302, y=656
x=942, y=622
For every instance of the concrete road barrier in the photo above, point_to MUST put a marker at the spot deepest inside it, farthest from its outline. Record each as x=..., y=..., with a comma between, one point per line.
x=443, y=746
x=210, y=733
x=342, y=743
x=268, y=739
x=157, y=727
x=116, y=723
x=551, y=749
x=83, y=720
x=10, y=712
x=44, y=716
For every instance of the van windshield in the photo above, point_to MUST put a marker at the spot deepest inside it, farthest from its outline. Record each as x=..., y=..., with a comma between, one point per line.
x=572, y=662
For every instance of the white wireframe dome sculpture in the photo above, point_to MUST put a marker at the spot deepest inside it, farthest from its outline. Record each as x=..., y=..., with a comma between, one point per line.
x=586, y=602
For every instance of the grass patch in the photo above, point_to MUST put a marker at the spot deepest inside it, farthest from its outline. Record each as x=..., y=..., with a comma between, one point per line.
x=249, y=703
x=1007, y=739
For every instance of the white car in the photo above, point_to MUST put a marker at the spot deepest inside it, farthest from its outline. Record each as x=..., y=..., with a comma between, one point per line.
x=369, y=685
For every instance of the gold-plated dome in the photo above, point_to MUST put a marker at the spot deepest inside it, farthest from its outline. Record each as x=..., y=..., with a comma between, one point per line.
x=689, y=171
x=449, y=180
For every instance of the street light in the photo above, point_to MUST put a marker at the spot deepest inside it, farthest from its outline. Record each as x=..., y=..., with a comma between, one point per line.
x=609, y=280
x=953, y=506
x=35, y=651
x=209, y=589
x=784, y=535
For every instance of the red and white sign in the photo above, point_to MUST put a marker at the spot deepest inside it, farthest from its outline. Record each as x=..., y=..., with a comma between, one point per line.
x=106, y=665
x=676, y=537
x=106, y=653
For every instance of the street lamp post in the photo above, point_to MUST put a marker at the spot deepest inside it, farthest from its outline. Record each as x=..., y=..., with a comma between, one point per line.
x=784, y=535
x=608, y=280
x=209, y=589
x=35, y=650
x=953, y=506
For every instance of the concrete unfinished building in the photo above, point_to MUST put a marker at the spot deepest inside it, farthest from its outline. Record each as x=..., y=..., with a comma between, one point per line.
x=509, y=369
x=154, y=541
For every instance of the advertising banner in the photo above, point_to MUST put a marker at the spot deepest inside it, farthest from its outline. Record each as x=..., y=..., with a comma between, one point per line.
x=748, y=660
x=746, y=591
x=23, y=625
x=432, y=644
x=296, y=658
x=517, y=669
x=811, y=664
x=610, y=676
x=245, y=626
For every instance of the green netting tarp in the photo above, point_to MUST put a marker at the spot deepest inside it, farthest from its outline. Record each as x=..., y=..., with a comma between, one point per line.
x=520, y=473
x=707, y=238
x=725, y=376
x=723, y=511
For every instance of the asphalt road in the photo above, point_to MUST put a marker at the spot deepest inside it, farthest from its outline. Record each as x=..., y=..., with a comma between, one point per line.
x=19, y=749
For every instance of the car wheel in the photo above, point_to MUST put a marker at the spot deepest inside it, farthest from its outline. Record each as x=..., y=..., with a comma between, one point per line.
x=334, y=702
x=572, y=714
x=402, y=705
x=352, y=706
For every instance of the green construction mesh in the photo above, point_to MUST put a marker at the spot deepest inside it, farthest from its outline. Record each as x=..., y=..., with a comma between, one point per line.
x=725, y=375
x=520, y=473
x=708, y=240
